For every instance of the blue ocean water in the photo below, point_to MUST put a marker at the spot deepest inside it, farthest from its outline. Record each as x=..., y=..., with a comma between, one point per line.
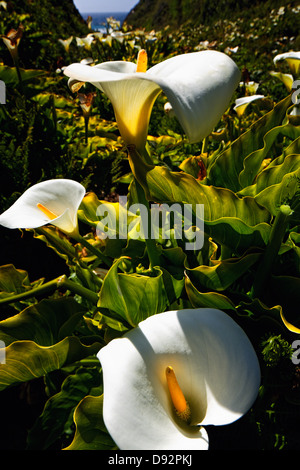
x=99, y=22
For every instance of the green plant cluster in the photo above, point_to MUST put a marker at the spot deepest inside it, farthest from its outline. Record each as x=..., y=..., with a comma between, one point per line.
x=247, y=175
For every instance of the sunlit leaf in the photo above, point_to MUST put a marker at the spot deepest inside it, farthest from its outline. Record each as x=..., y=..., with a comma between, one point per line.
x=26, y=360
x=57, y=413
x=139, y=295
x=42, y=322
x=226, y=170
x=91, y=433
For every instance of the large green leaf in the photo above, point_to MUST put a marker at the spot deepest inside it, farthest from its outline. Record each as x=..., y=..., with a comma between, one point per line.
x=284, y=191
x=133, y=297
x=15, y=281
x=56, y=417
x=238, y=235
x=91, y=433
x=207, y=299
x=112, y=218
x=26, y=360
x=10, y=77
x=43, y=322
x=238, y=222
x=252, y=162
x=164, y=186
x=227, y=168
x=274, y=174
x=224, y=273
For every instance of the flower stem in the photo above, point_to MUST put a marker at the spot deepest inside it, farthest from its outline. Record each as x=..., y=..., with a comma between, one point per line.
x=93, y=250
x=150, y=243
x=204, y=145
x=62, y=282
x=276, y=236
x=134, y=157
x=86, y=128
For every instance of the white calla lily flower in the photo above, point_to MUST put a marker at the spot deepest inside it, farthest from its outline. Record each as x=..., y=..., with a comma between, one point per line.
x=199, y=86
x=286, y=78
x=204, y=350
x=53, y=202
x=66, y=43
x=242, y=103
x=292, y=58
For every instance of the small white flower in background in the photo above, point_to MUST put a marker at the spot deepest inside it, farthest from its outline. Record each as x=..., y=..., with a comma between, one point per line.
x=231, y=50
x=54, y=202
x=242, y=103
x=12, y=40
x=66, y=42
x=118, y=35
x=86, y=102
x=293, y=60
x=286, y=78
x=175, y=373
x=250, y=87
x=85, y=42
x=168, y=109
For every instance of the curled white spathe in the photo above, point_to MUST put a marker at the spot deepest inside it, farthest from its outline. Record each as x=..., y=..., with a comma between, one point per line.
x=216, y=367
x=242, y=103
x=292, y=58
x=60, y=196
x=199, y=86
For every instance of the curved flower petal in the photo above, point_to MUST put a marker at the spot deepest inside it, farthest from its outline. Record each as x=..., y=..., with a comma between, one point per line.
x=292, y=58
x=242, y=103
x=198, y=85
x=215, y=365
x=61, y=197
x=286, y=78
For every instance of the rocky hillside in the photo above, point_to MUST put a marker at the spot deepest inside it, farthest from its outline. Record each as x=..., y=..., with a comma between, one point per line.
x=156, y=14
x=59, y=17
x=44, y=23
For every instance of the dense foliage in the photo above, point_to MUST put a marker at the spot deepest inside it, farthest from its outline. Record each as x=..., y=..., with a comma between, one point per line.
x=56, y=303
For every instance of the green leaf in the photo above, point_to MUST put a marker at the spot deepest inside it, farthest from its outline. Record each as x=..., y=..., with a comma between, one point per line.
x=42, y=322
x=231, y=165
x=273, y=174
x=26, y=360
x=238, y=222
x=252, y=162
x=133, y=297
x=224, y=273
x=10, y=77
x=14, y=281
x=114, y=216
x=238, y=235
x=58, y=410
x=285, y=191
x=164, y=186
x=207, y=299
x=91, y=433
